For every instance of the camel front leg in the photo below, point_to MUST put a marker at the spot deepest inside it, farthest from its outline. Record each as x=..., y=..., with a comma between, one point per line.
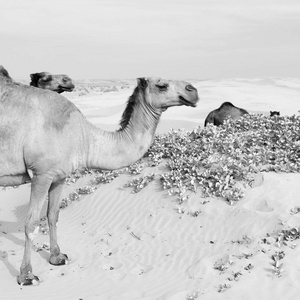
x=56, y=257
x=39, y=190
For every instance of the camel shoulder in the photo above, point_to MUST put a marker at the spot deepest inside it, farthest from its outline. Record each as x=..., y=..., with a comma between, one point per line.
x=57, y=109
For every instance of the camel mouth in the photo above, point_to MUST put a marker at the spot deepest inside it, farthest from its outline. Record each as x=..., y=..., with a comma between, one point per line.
x=66, y=88
x=187, y=102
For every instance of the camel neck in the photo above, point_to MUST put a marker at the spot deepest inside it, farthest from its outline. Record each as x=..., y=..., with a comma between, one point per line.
x=114, y=150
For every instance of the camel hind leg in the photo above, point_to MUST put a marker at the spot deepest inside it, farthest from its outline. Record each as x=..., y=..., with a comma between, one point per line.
x=56, y=257
x=39, y=191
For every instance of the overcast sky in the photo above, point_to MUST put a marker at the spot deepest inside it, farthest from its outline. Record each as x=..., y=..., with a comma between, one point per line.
x=181, y=39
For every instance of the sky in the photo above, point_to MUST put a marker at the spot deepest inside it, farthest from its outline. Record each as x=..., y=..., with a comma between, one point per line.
x=173, y=39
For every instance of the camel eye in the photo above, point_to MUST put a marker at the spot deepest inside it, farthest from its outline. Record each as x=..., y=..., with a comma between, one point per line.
x=46, y=78
x=162, y=87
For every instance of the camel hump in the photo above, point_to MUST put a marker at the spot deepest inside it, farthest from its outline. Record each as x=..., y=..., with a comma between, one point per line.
x=225, y=111
x=56, y=109
x=226, y=104
x=4, y=73
x=232, y=108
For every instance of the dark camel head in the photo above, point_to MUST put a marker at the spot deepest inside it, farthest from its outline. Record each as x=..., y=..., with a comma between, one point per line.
x=57, y=83
x=161, y=93
x=274, y=113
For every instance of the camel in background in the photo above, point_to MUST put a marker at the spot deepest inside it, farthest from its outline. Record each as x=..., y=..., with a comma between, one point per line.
x=44, y=132
x=225, y=111
x=274, y=113
x=56, y=83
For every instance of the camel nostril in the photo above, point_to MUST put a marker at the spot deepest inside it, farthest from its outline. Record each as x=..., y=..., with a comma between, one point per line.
x=190, y=88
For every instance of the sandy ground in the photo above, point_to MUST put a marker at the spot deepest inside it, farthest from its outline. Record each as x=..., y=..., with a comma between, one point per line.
x=145, y=246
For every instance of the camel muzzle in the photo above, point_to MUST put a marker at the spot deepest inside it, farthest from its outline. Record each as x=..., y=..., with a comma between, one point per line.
x=193, y=94
x=190, y=88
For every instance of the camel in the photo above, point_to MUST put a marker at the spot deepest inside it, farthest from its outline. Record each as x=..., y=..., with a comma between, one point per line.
x=46, y=134
x=274, y=113
x=56, y=83
x=225, y=111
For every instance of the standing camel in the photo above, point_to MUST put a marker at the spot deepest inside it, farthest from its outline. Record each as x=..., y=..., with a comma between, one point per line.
x=225, y=111
x=44, y=132
x=56, y=83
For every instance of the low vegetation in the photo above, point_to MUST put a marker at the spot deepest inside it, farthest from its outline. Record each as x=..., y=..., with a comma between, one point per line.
x=217, y=161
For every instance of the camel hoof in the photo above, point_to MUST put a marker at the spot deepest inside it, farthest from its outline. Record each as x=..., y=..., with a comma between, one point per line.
x=59, y=260
x=28, y=280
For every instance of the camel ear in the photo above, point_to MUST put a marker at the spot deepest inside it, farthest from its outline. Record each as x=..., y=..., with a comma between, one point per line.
x=34, y=79
x=142, y=82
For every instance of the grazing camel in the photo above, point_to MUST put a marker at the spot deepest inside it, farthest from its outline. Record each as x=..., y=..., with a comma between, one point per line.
x=44, y=132
x=274, y=113
x=56, y=83
x=225, y=111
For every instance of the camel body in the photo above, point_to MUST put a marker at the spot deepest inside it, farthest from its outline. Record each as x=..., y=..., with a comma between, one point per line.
x=225, y=111
x=38, y=131
x=44, y=132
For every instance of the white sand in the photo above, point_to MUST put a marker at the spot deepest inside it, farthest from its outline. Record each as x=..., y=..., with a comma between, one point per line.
x=139, y=246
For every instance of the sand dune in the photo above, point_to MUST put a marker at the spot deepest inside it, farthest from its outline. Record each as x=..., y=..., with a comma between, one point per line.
x=145, y=245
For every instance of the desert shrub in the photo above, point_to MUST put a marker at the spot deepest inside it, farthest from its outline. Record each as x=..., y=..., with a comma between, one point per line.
x=75, y=196
x=220, y=160
x=215, y=161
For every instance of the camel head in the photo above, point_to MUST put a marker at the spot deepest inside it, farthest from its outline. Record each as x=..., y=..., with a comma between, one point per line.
x=274, y=113
x=56, y=83
x=161, y=93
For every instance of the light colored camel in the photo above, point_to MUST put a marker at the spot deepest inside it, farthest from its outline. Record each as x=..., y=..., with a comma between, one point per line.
x=44, y=132
x=56, y=83
x=225, y=111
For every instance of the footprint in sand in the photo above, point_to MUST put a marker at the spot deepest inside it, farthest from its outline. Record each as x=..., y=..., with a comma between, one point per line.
x=208, y=266
x=257, y=179
x=140, y=269
x=109, y=251
x=262, y=206
x=113, y=269
x=110, y=266
x=3, y=254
